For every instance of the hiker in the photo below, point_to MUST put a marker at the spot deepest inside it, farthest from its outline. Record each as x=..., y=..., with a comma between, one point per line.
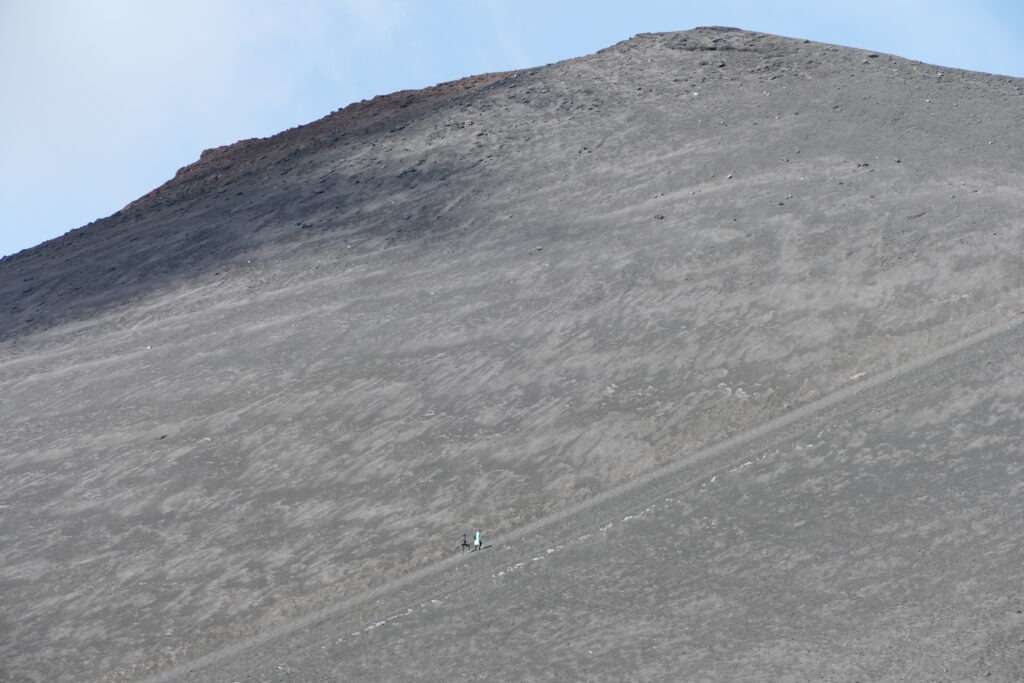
x=477, y=542
x=465, y=543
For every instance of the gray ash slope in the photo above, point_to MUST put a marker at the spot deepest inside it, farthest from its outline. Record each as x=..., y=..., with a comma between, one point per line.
x=297, y=369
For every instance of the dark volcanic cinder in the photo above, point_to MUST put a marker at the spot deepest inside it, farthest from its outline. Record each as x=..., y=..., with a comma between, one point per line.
x=711, y=332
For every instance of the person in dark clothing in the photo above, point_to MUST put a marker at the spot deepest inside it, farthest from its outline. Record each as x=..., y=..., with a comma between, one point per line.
x=465, y=543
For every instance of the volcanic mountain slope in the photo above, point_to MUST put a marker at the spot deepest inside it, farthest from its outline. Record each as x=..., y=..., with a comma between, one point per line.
x=302, y=367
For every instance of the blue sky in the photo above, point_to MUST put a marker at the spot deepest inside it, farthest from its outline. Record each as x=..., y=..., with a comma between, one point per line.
x=103, y=100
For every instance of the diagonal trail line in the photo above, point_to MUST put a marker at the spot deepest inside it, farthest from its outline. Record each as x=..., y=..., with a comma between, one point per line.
x=835, y=398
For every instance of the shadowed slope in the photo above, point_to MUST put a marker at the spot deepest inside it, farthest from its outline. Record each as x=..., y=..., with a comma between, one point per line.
x=213, y=214
x=324, y=354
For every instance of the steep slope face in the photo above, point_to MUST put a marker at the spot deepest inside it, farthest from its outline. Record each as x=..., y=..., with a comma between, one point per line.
x=869, y=536
x=304, y=365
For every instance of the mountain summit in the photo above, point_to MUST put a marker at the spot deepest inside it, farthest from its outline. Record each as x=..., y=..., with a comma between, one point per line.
x=780, y=275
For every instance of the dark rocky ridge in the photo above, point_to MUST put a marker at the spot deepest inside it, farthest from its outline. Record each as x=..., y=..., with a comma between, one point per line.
x=472, y=304
x=165, y=220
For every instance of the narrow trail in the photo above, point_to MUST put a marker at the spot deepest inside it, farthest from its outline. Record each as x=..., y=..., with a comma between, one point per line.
x=499, y=564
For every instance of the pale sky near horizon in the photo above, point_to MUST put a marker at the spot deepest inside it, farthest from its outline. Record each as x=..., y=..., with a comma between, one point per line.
x=104, y=100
